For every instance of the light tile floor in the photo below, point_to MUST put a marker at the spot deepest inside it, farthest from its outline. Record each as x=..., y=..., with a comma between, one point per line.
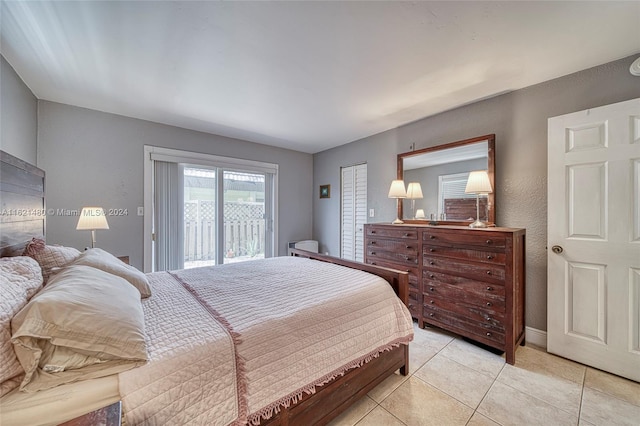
x=453, y=382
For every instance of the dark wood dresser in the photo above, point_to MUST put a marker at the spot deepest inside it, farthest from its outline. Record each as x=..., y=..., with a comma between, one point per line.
x=468, y=281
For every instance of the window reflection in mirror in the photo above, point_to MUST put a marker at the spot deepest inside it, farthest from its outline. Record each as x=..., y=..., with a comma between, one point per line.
x=442, y=172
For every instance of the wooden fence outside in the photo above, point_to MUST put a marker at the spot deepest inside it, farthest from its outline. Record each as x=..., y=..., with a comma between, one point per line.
x=244, y=234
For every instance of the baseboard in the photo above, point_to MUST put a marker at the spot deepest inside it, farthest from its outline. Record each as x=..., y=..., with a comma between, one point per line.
x=535, y=337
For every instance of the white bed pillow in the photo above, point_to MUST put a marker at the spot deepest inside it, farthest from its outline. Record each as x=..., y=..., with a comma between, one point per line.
x=86, y=323
x=20, y=279
x=105, y=261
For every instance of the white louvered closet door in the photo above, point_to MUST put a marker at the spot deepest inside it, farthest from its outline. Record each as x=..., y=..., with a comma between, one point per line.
x=354, y=211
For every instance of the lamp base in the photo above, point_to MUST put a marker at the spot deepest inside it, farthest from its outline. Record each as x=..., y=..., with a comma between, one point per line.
x=477, y=224
x=397, y=221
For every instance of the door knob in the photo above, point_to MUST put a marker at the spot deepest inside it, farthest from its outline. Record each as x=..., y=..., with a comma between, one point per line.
x=557, y=249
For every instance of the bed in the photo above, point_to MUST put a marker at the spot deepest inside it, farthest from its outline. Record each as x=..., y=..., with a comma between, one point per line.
x=239, y=348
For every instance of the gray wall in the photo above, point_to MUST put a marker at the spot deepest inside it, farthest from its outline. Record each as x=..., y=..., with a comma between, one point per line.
x=95, y=158
x=18, y=115
x=519, y=121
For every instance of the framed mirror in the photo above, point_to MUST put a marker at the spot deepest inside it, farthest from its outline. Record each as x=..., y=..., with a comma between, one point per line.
x=442, y=172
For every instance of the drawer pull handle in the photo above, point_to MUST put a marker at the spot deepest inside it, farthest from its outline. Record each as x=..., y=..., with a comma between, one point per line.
x=408, y=270
x=373, y=253
x=432, y=263
x=433, y=237
x=407, y=247
x=488, y=303
x=487, y=318
x=432, y=302
x=488, y=334
x=406, y=234
x=431, y=314
x=489, y=242
x=432, y=250
x=489, y=257
x=488, y=272
x=373, y=243
x=431, y=276
x=430, y=288
x=373, y=263
x=489, y=288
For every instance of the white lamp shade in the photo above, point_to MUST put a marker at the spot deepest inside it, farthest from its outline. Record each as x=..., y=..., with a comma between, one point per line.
x=478, y=183
x=92, y=218
x=397, y=189
x=420, y=214
x=414, y=190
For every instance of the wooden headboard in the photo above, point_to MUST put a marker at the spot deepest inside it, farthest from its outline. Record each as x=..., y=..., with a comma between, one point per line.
x=22, y=204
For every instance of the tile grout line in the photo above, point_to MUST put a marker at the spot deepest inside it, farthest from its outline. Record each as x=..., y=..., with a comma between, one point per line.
x=410, y=375
x=465, y=366
x=368, y=412
x=484, y=397
x=479, y=372
x=535, y=397
x=381, y=407
x=604, y=391
x=584, y=380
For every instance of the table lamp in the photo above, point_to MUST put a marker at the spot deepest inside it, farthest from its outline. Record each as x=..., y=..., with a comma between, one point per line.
x=397, y=191
x=478, y=183
x=91, y=219
x=414, y=192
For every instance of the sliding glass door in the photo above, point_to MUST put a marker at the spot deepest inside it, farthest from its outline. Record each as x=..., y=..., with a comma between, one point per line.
x=200, y=240
x=209, y=214
x=241, y=205
x=245, y=216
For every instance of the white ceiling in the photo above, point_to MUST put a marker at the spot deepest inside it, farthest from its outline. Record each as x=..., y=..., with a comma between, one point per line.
x=303, y=75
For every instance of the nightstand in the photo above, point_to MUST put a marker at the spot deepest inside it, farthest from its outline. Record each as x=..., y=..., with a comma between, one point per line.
x=125, y=259
x=110, y=415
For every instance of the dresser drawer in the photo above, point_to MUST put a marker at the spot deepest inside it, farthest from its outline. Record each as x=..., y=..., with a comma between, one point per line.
x=405, y=247
x=486, y=316
x=414, y=278
x=471, y=292
x=409, y=259
x=456, y=323
x=487, y=240
x=497, y=258
x=415, y=303
x=460, y=278
x=480, y=271
x=391, y=232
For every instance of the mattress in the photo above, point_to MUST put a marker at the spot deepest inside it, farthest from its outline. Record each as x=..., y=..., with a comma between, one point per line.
x=59, y=404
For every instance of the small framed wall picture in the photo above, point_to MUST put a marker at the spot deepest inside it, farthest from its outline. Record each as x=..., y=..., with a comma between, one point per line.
x=325, y=191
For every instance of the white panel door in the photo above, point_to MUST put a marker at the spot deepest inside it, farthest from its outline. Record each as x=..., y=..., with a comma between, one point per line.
x=594, y=237
x=353, y=211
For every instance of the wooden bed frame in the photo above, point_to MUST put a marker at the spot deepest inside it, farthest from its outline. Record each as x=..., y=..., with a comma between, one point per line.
x=22, y=209
x=22, y=190
x=336, y=396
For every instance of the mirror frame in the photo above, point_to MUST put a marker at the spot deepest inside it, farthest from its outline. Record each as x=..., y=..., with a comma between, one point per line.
x=491, y=210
